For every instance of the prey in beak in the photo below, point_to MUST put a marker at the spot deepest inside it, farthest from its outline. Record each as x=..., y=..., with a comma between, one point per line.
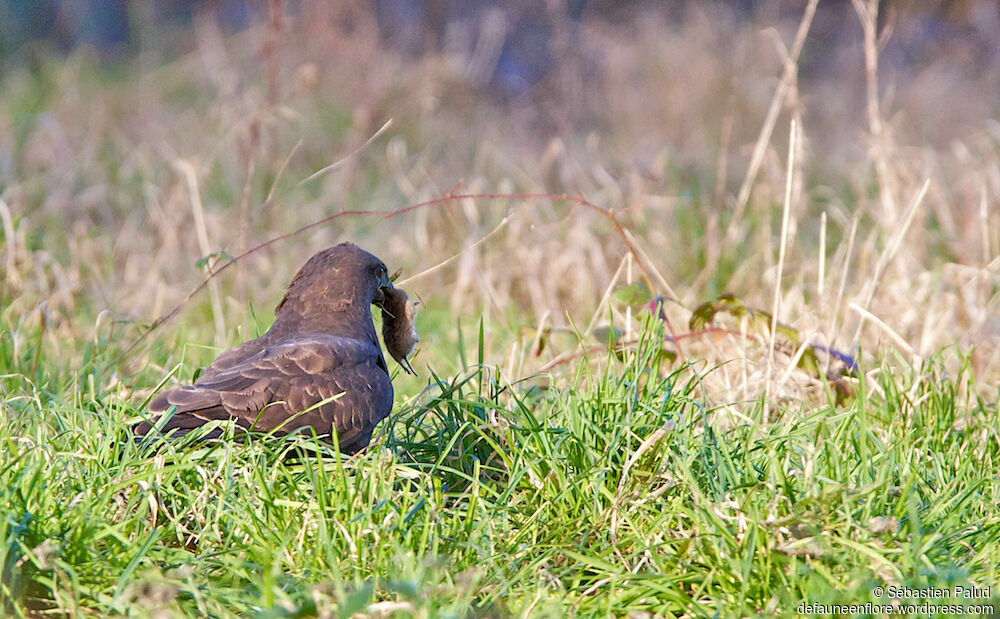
x=384, y=282
x=398, y=329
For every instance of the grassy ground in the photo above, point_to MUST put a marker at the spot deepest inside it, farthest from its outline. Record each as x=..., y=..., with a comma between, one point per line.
x=565, y=449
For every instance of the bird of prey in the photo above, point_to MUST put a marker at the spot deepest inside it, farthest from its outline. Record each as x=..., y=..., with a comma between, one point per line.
x=319, y=366
x=398, y=331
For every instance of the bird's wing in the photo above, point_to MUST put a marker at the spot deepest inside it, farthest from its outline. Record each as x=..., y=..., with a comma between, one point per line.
x=234, y=356
x=322, y=381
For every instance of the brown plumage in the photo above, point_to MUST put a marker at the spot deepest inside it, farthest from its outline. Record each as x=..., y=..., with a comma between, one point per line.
x=319, y=366
x=398, y=329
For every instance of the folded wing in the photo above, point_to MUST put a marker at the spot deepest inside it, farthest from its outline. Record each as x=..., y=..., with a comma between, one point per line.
x=321, y=381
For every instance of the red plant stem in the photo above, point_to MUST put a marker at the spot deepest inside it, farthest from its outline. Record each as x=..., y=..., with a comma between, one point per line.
x=610, y=214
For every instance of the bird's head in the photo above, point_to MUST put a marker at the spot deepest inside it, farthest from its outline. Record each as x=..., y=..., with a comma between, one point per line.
x=337, y=279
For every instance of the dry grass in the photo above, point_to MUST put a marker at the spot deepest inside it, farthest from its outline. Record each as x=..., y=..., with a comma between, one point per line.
x=114, y=189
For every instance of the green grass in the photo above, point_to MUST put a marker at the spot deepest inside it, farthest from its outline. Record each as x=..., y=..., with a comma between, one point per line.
x=483, y=497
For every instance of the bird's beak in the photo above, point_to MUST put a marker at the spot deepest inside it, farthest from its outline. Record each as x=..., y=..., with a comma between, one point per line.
x=384, y=283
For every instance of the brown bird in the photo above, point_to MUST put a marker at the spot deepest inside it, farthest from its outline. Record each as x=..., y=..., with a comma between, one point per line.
x=319, y=366
x=398, y=329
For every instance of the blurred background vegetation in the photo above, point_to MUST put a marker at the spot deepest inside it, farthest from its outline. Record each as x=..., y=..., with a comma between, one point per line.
x=137, y=139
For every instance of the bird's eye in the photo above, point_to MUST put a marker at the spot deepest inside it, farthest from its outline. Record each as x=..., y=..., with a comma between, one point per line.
x=380, y=272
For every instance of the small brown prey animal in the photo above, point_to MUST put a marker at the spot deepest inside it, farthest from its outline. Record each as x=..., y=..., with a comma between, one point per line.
x=398, y=329
x=318, y=367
